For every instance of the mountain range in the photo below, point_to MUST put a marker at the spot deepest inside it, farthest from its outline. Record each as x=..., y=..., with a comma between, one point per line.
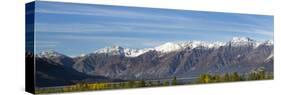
x=181, y=59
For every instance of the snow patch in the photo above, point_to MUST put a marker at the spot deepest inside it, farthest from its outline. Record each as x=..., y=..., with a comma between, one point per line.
x=49, y=53
x=179, y=46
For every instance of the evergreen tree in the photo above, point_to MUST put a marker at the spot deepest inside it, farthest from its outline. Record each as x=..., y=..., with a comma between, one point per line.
x=262, y=75
x=142, y=83
x=216, y=78
x=174, y=82
x=236, y=76
x=150, y=83
x=226, y=77
x=158, y=83
x=166, y=83
x=130, y=84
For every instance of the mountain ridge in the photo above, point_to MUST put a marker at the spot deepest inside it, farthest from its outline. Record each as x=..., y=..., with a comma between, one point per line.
x=185, y=59
x=165, y=48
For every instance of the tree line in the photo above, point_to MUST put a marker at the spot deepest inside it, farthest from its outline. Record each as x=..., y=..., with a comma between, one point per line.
x=228, y=77
x=103, y=86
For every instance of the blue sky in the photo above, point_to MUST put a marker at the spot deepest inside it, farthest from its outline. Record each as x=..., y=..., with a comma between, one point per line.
x=73, y=29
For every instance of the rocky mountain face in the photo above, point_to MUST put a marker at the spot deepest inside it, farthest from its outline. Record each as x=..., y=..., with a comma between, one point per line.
x=54, y=69
x=181, y=59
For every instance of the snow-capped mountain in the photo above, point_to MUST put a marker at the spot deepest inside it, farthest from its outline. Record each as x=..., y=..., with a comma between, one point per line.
x=179, y=46
x=168, y=47
x=56, y=57
x=118, y=50
x=186, y=58
x=49, y=53
x=246, y=41
x=135, y=52
x=268, y=42
x=114, y=50
x=164, y=48
x=241, y=40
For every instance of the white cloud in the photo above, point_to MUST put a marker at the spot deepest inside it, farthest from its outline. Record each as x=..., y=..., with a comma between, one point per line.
x=78, y=28
x=77, y=9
